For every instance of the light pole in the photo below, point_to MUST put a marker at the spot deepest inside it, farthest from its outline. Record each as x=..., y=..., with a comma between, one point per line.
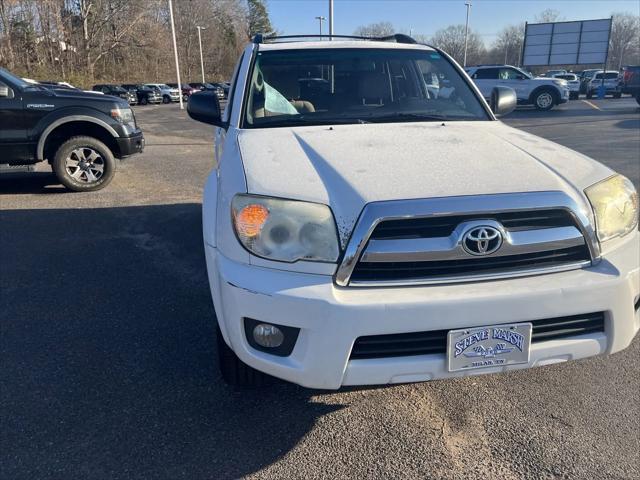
x=201, y=59
x=175, y=53
x=466, y=34
x=330, y=19
x=320, y=20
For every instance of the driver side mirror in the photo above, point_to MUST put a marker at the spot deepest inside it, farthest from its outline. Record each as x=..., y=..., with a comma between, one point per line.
x=503, y=101
x=205, y=107
x=5, y=92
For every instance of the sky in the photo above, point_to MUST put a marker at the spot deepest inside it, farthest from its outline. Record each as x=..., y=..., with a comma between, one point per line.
x=424, y=17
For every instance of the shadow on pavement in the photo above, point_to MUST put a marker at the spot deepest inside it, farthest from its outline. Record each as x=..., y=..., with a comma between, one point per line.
x=109, y=363
x=31, y=182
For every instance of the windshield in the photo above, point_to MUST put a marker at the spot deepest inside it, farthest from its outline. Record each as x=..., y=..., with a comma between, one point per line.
x=316, y=87
x=607, y=76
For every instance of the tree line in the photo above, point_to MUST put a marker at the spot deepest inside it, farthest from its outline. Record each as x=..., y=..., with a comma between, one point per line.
x=93, y=41
x=624, y=45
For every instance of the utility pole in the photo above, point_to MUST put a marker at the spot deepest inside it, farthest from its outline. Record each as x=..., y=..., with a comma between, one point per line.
x=466, y=34
x=320, y=20
x=330, y=19
x=201, y=59
x=175, y=53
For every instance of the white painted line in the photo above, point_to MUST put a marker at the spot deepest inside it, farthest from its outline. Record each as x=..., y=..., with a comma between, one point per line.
x=592, y=105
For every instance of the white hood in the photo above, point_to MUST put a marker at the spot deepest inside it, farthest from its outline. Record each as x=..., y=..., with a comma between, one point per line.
x=348, y=166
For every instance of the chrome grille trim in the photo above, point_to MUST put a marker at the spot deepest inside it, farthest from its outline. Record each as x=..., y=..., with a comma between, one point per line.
x=377, y=212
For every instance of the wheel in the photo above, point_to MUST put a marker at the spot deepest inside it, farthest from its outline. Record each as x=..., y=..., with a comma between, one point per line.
x=84, y=164
x=573, y=96
x=166, y=99
x=544, y=100
x=234, y=371
x=617, y=95
x=589, y=94
x=144, y=101
x=185, y=98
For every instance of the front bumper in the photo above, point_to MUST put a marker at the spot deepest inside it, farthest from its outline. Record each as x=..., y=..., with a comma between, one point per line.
x=331, y=318
x=131, y=145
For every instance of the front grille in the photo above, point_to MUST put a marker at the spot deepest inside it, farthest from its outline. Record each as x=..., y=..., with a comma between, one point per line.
x=435, y=341
x=389, y=271
x=443, y=226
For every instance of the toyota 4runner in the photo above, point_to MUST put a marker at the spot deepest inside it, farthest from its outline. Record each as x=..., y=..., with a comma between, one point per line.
x=80, y=134
x=364, y=227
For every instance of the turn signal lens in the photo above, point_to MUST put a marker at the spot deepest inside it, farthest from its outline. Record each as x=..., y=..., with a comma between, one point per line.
x=251, y=219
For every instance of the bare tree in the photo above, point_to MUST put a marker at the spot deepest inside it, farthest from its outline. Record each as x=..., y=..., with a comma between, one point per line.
x=624, y=46
x=380, y=29
x=549, y=15
x=451, y=40
x=507, y=48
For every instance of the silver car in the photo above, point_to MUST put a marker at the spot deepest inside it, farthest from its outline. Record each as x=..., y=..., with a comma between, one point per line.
x=168, y=94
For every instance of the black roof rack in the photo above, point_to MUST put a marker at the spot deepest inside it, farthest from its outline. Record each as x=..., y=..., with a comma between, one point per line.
x=398, y=37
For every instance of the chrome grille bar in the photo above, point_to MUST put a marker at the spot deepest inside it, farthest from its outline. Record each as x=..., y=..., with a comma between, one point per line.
x=361, y=247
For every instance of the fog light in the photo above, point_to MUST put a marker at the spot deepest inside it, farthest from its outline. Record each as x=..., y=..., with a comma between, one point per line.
x=268, y=336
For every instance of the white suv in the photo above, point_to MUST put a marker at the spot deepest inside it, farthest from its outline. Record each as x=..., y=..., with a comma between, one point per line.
x=364, y=227
x=543, y=93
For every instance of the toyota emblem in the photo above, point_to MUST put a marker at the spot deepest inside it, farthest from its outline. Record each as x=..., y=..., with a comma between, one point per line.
x=483, y=240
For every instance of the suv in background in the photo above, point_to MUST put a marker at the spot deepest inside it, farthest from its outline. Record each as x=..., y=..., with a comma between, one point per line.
x=610, y=83
x=208, y=87
x=585, y=78
x=145, y=95
x=629, y=82
x=116, y=91
x=167, y=93
x=573, y=82
x=543, y=93
x=186, y=89
x=80, y=134
x=379, y=231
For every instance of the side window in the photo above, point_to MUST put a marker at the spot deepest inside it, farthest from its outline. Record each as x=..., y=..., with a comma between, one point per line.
x=232, y=92
x=487, y=74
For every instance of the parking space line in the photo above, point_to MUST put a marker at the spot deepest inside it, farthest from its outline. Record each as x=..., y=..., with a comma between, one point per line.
x=593, y=105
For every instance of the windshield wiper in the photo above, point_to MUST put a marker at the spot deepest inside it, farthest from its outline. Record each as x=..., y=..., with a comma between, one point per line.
x=408, y=117
x=304, y=120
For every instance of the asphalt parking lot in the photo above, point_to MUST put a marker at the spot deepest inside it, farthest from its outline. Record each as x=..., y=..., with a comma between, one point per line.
x=108, y=356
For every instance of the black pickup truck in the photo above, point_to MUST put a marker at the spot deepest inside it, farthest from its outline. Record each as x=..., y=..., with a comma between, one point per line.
x=80, y=134
x=629, y=82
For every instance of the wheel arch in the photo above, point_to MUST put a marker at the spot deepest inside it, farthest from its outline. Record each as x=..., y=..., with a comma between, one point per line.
x=73, y=125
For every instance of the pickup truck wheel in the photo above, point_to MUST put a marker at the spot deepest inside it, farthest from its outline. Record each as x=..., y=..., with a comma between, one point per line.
x=589, y=94
x=166, y=99
x=544, y=100
x=84, y=164
x=234, y=371
x=144, y=101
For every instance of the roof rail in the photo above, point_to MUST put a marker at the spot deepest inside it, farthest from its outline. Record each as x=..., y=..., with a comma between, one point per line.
x=398, y=37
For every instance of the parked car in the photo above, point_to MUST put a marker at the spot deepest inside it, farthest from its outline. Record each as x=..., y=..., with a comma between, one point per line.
x=543, y=93
x=629, y=82
x=573, y=82
x=224, y=86
x=145, y=95
x=117, y=91
x=167, y=93
x=585, y=78
x=80, y=134
x=610, y=83
x=396, y=237
x=553, y=73
x=208, y=87
x=186, y=89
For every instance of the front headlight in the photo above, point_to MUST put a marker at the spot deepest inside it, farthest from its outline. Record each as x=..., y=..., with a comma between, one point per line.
x=615, y=205
x=123, y=116
x=285, y=230
x=560, y=83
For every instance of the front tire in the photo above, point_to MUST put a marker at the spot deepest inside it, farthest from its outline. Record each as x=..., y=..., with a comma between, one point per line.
x=84, y=164
x=234, y=371
x=617, y=95
x=545, y=100
x=589, y=94
x=144, y=101
x=166, y=99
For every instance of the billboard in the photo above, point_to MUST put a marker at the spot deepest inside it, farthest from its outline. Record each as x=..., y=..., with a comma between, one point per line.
x=566, y=43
